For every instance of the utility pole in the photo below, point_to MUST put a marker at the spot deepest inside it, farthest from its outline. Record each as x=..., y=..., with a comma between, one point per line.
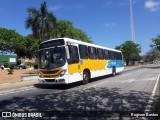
x=132, y=22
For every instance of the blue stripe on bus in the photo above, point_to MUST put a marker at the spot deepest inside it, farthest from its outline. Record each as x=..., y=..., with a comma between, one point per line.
x=116, y=63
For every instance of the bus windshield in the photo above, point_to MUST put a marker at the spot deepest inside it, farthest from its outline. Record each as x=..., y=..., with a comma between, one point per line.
x=52, y=58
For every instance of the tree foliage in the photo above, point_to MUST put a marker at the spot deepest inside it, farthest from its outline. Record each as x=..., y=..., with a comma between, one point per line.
x=62, y=28
x=156, y=42
x=10, y=41
x=31, y=46
x=152, y=55
x=65, y=28
x=41, y=22
x=130, y=51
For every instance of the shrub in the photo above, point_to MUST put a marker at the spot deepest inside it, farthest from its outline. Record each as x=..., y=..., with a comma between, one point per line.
x=6, y=64
x=36, y=65
x=10, y=71
x=11, y=66
x=29, y=64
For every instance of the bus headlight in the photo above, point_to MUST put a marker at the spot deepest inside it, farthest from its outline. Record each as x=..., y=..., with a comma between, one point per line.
x=62, y=73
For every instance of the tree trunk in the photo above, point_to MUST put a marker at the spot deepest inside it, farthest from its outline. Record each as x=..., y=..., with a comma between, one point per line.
x=127, y=62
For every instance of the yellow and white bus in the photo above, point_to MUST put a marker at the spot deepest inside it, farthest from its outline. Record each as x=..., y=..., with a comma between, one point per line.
x=65, y=60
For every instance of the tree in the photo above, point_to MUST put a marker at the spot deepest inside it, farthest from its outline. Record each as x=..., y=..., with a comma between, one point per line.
x=10, y=41
x=62, y=27
x=41, y=22
x=156, y=42
x=79, y=35
x=65, y=28
x=31, y=46
x=152, y=55
x=130, y=51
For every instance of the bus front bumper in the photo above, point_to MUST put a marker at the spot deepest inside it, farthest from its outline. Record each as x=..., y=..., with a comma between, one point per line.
x=60, y=80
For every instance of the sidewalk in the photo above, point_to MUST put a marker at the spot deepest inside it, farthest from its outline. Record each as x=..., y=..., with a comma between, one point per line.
x=9, y=86
x=31, y=82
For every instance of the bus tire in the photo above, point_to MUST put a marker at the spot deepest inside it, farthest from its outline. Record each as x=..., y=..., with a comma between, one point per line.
x=113, y=71
x=86, y=77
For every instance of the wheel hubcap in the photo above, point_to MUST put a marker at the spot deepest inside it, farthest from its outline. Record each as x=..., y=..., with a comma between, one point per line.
x=85, y=77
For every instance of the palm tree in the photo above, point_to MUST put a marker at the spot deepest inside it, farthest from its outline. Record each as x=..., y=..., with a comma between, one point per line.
x=41, y=22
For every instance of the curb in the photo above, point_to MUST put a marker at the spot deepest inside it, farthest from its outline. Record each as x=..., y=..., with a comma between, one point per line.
x=10, y=86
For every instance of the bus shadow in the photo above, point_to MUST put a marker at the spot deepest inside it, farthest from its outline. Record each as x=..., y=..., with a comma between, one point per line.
x=57, y=86
x=71, y=85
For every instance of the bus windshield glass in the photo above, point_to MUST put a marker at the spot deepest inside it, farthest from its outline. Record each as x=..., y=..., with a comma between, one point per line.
x=52, y=58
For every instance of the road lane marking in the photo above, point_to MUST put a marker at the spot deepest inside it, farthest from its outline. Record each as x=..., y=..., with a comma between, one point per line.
x=126, y=74
x=152, y=94
x=95, y=85
x=16, y=90
x=122, y=81
x=138, y=70
x=144, y=79
x=129, y=80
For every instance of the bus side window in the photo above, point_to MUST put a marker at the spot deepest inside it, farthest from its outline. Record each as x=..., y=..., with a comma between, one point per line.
x=120, y=56
x=92, y=53
x=109, y=55
x=74, y=58
x=117, y=55
x=83, y=52
x=106, y=55
x=100, y=53
x=114, y=55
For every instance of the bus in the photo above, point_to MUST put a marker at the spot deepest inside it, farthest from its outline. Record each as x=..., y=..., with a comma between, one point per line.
x=65, y=60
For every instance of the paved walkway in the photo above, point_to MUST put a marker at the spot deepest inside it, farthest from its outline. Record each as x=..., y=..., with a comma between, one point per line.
x=31, y=82
x=26, y=83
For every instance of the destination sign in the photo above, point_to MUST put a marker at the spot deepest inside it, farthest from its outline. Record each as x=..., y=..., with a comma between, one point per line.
x=51, y=43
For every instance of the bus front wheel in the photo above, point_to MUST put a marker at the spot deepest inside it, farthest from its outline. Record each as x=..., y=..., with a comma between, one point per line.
x=85, y=77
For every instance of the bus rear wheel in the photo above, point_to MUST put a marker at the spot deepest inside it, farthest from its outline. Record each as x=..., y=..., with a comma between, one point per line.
x=86, y=77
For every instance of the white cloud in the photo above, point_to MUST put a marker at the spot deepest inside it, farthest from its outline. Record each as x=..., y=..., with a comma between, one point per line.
x=56, y=7
x=107, y=3
x=136, y=1
x=123, y=3
x=112, y=24
x=152, y=5
x=71, y=7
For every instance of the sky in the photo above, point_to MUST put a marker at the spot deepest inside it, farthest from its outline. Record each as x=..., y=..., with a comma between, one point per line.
x=107, y=22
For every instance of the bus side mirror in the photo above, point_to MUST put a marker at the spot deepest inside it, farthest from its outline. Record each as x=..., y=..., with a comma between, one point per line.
x=67, y=52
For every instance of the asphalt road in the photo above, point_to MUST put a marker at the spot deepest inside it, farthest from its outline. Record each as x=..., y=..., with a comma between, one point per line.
x=127, y=95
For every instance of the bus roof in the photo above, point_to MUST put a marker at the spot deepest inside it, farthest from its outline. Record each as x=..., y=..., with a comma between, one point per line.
x=83, y=43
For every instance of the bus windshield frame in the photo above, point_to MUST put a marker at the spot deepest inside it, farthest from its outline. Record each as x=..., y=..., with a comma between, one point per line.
x=52, y=58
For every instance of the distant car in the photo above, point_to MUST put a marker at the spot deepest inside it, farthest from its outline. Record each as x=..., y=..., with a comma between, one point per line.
x=2, y=67
x=20, y=67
